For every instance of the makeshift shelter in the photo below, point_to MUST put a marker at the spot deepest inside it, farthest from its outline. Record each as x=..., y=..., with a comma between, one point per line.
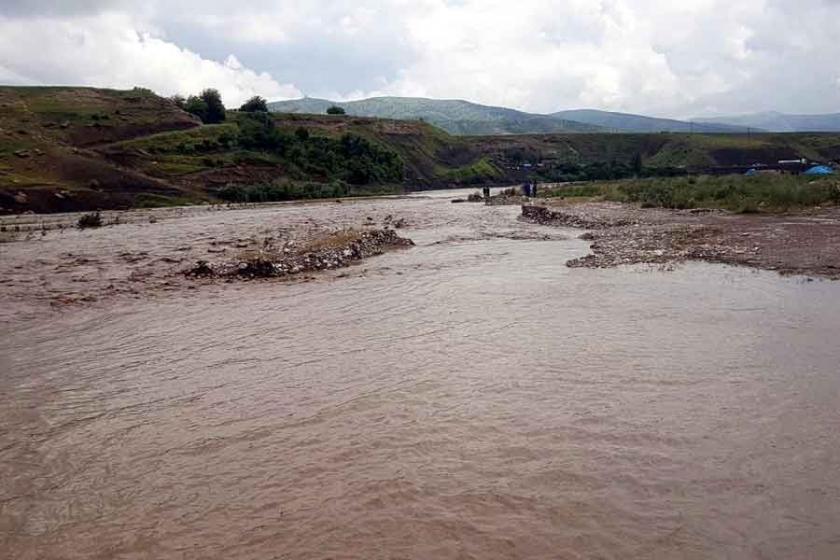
x=820, y=170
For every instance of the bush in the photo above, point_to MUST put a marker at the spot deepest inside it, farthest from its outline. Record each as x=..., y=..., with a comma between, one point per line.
x=92, y=220
x=215, y=107
x=733, y=192
x=208, y=106
x=336, y=110
x=197, y=106
x=255, y=105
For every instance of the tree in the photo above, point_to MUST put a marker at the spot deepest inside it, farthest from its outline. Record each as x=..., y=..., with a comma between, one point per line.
x=197, y=106
x=255, y=105
x=336, y=110
x=179, y=101
x=637, y=163
x=215, y=112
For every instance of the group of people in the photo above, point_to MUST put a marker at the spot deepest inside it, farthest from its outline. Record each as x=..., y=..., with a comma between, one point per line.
x=529, y=189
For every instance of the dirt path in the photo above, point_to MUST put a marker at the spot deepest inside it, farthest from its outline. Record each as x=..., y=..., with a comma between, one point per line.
x=805, y=243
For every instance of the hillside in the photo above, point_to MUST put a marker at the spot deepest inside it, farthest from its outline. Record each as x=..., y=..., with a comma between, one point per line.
x=465, y=118
x=611, y=156
x=626, y=122
x=782, y=122
x=454, y=116
x=64, y=149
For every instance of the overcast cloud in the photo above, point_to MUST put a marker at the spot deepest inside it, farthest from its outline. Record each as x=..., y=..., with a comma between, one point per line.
x=692, y=57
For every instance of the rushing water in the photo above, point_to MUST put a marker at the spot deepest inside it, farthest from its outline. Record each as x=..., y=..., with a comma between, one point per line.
x=469, y=398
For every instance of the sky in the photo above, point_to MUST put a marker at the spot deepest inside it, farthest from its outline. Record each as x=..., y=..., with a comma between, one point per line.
x=679, y=58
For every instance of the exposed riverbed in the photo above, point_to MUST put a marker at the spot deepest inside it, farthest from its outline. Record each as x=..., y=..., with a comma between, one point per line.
x=470, y=397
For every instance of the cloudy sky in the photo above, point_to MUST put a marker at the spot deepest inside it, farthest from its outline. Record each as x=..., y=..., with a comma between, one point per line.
x=663, y=57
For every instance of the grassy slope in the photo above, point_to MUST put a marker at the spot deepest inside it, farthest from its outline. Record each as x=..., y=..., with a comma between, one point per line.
x=80, y=148
x=762, y=193
x=453, y=115
x=626, y=122
x=695, y=151
x=47, y=136
x=64, y=149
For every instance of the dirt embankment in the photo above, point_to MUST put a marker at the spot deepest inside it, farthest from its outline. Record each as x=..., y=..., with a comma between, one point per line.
x=806, y=243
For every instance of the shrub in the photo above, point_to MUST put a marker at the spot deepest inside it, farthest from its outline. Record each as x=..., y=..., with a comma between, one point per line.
x=92, y=220
x=179, y=101
x=336, y=110
x=215, y=107
x=255, y=105
x=208, y=106
x=197, y=106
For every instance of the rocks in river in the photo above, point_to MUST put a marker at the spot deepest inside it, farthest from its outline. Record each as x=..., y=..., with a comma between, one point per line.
x=336, y=252
x=201, y=270
x=546, y=216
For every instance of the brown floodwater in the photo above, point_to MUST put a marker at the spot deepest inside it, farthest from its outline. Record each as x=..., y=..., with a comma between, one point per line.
x=471, y=397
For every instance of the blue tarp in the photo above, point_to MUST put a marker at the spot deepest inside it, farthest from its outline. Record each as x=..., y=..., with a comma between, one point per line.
x=820, y=170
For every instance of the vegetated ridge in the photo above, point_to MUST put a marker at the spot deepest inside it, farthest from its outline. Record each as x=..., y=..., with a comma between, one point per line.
x=453, y=115
x=626, y=122
x=781, y=122
x=66, y=149
x=466, y=118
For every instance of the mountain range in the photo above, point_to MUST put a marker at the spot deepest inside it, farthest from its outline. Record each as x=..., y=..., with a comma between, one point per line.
x=452, y=115
x=782, y=122
x=467, y=118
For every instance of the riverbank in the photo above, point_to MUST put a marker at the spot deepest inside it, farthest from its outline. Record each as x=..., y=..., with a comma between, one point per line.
x=803, y=242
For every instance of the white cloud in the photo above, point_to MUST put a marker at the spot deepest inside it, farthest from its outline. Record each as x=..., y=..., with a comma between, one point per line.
x=112, y=50
x=666, y=58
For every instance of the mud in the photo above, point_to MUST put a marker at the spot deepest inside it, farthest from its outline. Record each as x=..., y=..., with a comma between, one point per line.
x=806, y=243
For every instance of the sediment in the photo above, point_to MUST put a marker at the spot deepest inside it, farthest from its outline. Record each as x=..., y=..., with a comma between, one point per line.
x=337, y=250
x=806, y=243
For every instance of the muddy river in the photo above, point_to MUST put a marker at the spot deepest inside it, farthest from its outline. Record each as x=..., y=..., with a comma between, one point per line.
x=471, y=397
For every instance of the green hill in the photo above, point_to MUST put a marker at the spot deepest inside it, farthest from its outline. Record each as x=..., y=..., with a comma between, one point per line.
x=781, y=122
x=626, y=122
x=465, y=118
x=454, y=116
x=66, y=149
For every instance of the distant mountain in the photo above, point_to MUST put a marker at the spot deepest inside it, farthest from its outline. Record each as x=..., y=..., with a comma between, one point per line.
x=466, y=118
x=454, y=116
x=782, y=122
x=625, y=122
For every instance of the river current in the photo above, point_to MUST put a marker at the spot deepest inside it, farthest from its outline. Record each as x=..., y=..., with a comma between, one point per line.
x=471, y=397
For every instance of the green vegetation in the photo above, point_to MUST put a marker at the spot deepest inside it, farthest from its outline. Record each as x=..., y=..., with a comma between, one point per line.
x=254, y=139
x=452, y=115
x=207, y=106
x=92, y=220
x=336, y=110
x=66, y=149
x=287, y=190
x=256, y=104
x=603, y=171
x=477, y=173
x=763, y=193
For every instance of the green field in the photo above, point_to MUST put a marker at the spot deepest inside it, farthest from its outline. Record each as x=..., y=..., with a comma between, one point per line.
x=763, y=193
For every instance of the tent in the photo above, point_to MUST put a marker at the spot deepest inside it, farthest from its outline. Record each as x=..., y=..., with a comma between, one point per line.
x=820, y=170
x=752, y=172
